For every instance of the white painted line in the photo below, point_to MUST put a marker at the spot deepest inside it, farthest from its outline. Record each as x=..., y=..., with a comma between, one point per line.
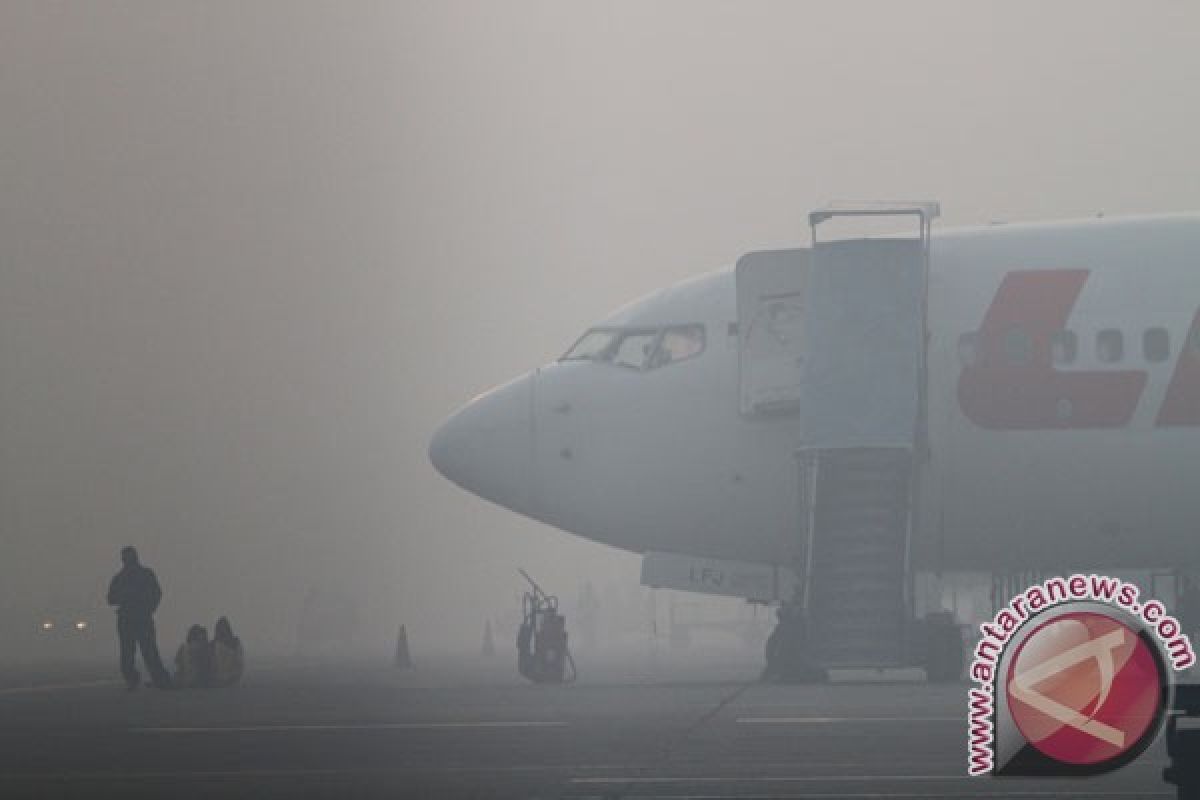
x=838, y=720
x=55, y=687
x=776, y=779
x=629, y=783
x=896, y=795
x=382, y=726
x=171, y=775
x=355, y=772
x=17, y=778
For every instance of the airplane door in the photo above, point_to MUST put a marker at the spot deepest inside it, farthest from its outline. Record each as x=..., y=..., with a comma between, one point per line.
x=770, y=295
x=863, y=328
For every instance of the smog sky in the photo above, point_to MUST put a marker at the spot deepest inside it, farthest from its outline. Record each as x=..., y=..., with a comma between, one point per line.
x=251, y=254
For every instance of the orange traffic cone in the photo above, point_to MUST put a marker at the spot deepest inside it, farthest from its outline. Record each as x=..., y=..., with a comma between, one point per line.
x=403, y=660
x=489, y=646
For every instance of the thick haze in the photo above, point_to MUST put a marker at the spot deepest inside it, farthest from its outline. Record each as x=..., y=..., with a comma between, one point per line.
x=252, y=253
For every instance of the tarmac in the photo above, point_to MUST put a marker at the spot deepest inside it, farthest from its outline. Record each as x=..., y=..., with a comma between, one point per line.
x=654, y=723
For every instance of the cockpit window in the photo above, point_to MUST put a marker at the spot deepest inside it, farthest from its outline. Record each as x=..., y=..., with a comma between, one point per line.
x=595, y=345
x=634, y=349
x=639, y=348
x=679, y=344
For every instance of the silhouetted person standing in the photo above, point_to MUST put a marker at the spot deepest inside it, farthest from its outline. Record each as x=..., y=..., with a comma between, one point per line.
x=136, y=594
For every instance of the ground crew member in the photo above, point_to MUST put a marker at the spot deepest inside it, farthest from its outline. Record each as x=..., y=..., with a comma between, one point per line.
x=136, y=594
x=193, y=660
x=228, y=657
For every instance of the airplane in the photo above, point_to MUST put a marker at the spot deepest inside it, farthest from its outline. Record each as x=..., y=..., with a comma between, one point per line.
x=823, y=426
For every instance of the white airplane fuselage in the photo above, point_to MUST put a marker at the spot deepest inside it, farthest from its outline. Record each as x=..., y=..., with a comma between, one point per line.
x=1047, y=450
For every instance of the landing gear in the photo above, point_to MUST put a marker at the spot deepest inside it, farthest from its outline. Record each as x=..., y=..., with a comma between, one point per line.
x=943, y=648
x=788, y=648
x=937, y=646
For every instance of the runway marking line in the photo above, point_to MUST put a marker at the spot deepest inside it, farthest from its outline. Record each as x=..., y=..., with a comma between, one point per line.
x=381, y=726
x=632, y=783
x=894, y=795
x=629, y=783
x=55, y=687
x=836, y=720
x=776, y=779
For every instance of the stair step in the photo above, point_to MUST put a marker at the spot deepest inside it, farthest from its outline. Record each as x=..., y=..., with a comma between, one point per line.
x=849, y=514
x=861, y=534
x=849, y=632
x=865, y=643
x=856, y=619
x=878, y=600
x=857, y=482
x=828, y=568
x=861, y=506
x=872, y=608
x=838, y=488
x=859, y=499
x=884, y=473
x=862, y=531
x=861, y=547
x=846, y=571
x=836, y=528
x=867, y=455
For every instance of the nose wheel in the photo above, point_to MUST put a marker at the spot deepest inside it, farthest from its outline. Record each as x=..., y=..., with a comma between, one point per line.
x=788, y=651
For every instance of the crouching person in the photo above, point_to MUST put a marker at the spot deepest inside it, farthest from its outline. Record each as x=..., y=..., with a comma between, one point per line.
x=228, y=659
x=194, y=660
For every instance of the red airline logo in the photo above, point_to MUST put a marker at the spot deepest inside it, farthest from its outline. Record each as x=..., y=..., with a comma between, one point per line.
x=1000, y=392
x=1182, y=404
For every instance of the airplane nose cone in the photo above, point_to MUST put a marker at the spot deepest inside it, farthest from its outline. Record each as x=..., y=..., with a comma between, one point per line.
x=487, y=446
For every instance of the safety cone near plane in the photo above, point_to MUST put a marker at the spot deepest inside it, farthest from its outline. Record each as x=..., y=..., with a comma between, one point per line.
x=489, y=645
x=403, y=659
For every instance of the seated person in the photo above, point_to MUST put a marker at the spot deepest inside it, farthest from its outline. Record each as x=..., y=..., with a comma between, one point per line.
x=193, y=660
x=228, y=659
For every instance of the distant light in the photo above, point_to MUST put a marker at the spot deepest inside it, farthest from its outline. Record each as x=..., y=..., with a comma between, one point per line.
x=81, y=625
x=48, y=625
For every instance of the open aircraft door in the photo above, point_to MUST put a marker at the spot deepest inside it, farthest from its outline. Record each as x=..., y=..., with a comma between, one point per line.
x=771, y=354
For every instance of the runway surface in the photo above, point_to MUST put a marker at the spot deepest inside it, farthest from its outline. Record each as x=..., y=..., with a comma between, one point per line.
x=671, y=726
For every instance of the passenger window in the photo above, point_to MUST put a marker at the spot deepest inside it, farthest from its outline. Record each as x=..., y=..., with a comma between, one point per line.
x=1018, y=347
x=1110, y=346
x=1156, y=345
x=679, y=344
x=634, y=349
x=968, y=349
x=1064, y=346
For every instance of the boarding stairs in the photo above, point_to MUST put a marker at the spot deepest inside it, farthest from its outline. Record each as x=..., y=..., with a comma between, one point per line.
x=859, y=524
x=863, y=422
x=834, y=337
